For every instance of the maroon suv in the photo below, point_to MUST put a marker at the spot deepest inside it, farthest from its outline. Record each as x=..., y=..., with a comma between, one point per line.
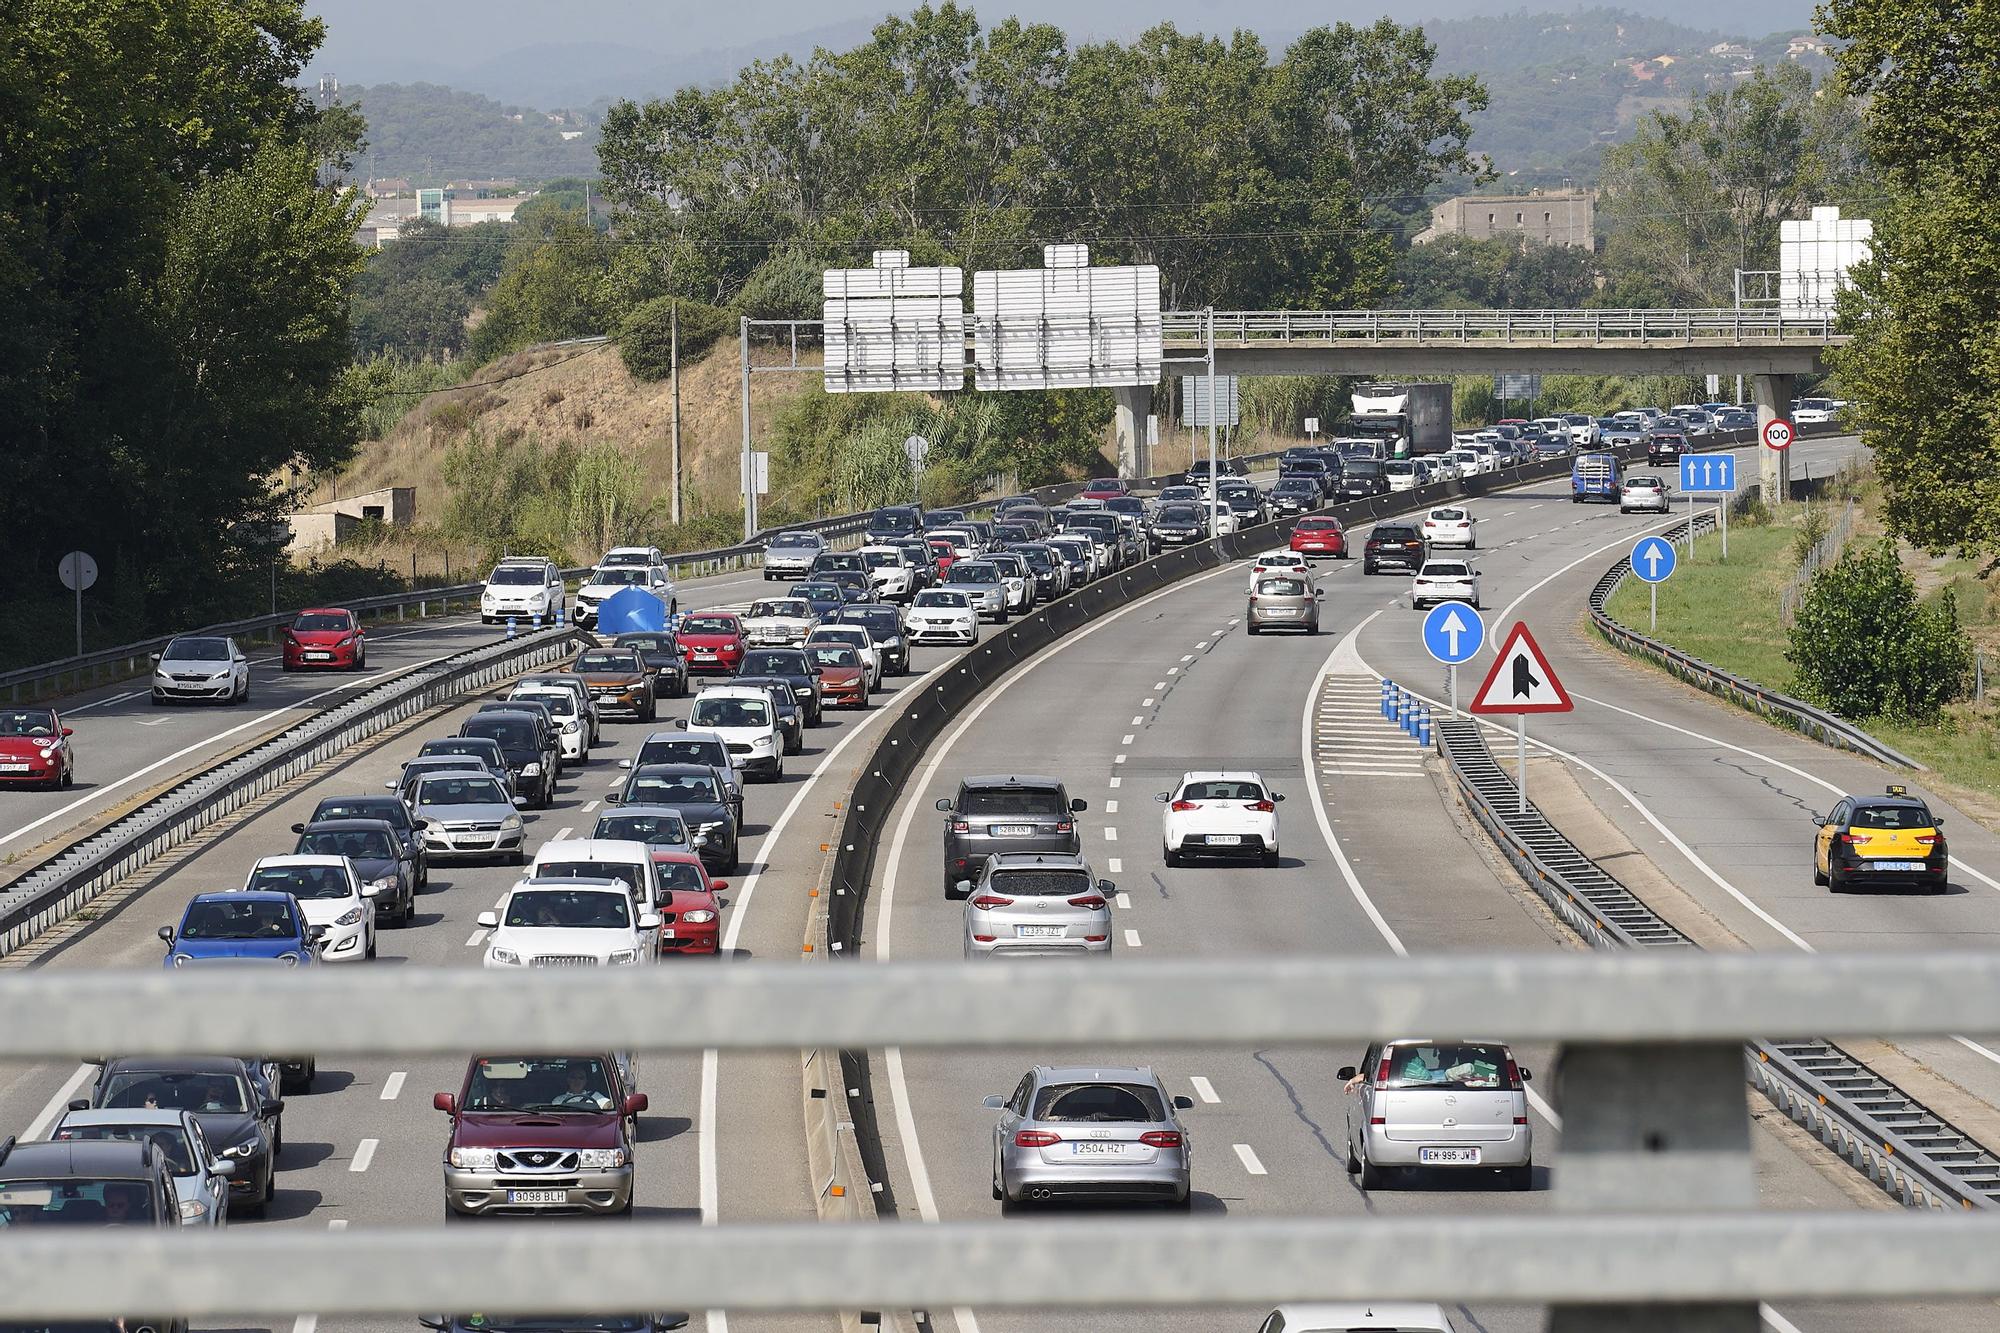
x=535, y=1134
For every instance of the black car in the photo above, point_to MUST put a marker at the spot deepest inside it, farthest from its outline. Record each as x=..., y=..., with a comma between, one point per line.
x=1004, y=813
x=697, y=791
x=885, y=630
x=1248, y=506
x=1179, y=524
x=1047, y=567
x=1011, y=534
x=1197, y=471
x=923, y=560
x=1295, y=495
x=707, y=750
x=1362, y=479
x=1393, y=544
x=242, y=1121
x=1033, y=516
x=89, y=1183
x=486, y=752
x=854, y=587
x=391, y=811
x=1665, y=447
x=530, y=748
x=943, y=518
x=896, y=521
x=663, y=660
x=824, y=598
x=793, y=667
x=380, y=860
x=1309, y=467
x=830, y=562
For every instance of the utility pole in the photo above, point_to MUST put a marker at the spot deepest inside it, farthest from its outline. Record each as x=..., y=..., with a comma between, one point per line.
x=674, y=374
x=749, y=469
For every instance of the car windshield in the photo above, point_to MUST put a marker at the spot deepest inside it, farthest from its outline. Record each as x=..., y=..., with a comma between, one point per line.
x=1281, y=588
x=789, y=607
x=884, y=559
x=27, y=722
x=625, y=874
x=168, y=1140
x=575, y=909
x=1042, y=883
x=1399, y=469
x=172, y=1090
x=322, y=621
x=460, y=791
x=71, y=1202
x=576, y=1086
x=1012, y=801
x=1890, y=817
x=730, y=713
x=825, y=592
x=197, y=650
x=246, y=919
x=511, y=733
x=791, y=540
x=680, y=789
x=1362, y=467
x=968, y=572
x=1446, y=1067
x=302, y=881
x=774, y=662
x=516, y=574
x=560, y=702
x=630, y=576
x=681, y=876
x=609, y=661
x=714, y=624
x=1103, y=1103
x=834, y=655
x=356, y=844
x=939, y=598
x=654, y=830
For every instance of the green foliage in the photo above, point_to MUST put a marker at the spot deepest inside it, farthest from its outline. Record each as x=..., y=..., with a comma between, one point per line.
x=555, y=285
x=1925, y=310
x=1499, y=273
x=415, y=295
x=435, y=134
x=645, y=339
x=1864, y=647
x=604, y=491
x=1281, y=403
x=510, y=495
x=788, y=285
x=871, y=469
x=388, y=387
x=1812, y=531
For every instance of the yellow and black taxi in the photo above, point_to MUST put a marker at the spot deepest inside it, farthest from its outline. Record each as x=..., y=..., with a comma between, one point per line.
x=1888, y=839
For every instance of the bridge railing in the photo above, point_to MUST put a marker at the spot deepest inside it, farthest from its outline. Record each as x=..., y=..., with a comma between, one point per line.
x=1653, y=1182
x=1616, y=327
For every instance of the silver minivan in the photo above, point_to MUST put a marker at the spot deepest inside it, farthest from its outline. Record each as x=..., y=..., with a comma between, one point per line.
x=1444, y=1105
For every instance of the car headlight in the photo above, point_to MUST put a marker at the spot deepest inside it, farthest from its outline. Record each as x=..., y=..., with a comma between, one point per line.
x=622, y=958
x=475, y=1159
x=699, y=917
x=351, y=917
x=531, y=770
x=572, y=725
x=385, y=884
x=504, y=957
x=193, y=1210
x=289, y=959
x=510, y=824
x=182, y=960
x=245, y=1149
x=599, y=1159
x=760, y=742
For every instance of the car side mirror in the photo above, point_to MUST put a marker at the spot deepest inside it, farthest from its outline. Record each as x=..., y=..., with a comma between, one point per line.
x=521, y=802
x=314, y=934
x=431, y=1321
x=610, y=798
x=448, y=1103
x=1079, y=805
x=649, y=920
x=222, y=1166
x=68, y=731
x=1182, y=1103
x=1818, y=818
x=1526, y=1074
x=944, y=803
x=488, y=919
x=1277, y=796
x=1106, y=887
x=80, y=1104
x=155, y=657
x=996, y=1102
x=717, y=885
x=167, y=934
x=1345, y=1072
x=669, y=1322
x=370, y=891
x=634, y=1103
x=420, y=824
x=275, y=1106
x=680, y=724
x=1162, y=796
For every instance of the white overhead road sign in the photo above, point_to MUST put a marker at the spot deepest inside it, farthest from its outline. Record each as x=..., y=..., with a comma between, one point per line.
x=894, y=328
x=1066, y=325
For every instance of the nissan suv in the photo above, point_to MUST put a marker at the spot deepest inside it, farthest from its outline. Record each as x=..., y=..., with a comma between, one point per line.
x=532, y=1135
x=1004, y=813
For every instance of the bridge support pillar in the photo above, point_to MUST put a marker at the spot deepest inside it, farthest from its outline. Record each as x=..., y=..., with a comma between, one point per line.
x=1654, y=1128
x=1134, y=402
x=1774, y=471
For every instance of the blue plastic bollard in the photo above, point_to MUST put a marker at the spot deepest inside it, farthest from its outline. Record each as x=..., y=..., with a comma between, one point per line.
x=510, y=627
x=1424, y=727
x=1388, y=692
x=559, y=615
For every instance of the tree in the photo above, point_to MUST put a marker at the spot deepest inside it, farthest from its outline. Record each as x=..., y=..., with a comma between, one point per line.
x=1497, y=273
x=1925, y=309
x=1864, y=647
x=556, y=285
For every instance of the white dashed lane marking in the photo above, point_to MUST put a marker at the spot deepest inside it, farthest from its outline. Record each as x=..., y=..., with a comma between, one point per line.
x=478, y=938
x=392, y=1086
x=1131, y=939
x=1125, y=901
x=1114, y=783
x=1204, y=1089
x=364, y=1153
x=1248, y=1157
x=1111, y=807
x=1114, y=865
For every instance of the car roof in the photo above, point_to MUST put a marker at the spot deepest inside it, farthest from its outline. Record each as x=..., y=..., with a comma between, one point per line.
x=730, y=692
x=604, y=885
x=640, y=808
x=1011, y=780
x=1345, y=1315
x=618, y=851
x=86, y=1158
x=674, y=769
x=326, y=611
x=1030, y=860
x=1223, y=775
x=349, y=825
x=313, y=859
x=176, y=1064
x=1096, y=1074
x=133, y=1115
x=242, y=896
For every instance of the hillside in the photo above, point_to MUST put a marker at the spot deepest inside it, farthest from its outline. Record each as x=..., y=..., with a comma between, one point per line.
x=432, y=134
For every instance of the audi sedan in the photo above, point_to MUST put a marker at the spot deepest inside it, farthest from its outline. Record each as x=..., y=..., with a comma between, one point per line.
x=1047, y=903
x=1091, y=1132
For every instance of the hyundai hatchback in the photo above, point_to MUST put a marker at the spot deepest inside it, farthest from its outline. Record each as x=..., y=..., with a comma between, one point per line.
x=1038, y=903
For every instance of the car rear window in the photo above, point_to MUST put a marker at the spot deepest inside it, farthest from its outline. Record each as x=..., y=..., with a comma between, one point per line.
x=511, y=734
x=1101, y=1103
x=1444, y=569
x=1220, y=789
x=1448, y=515
x=628, y=874
x=1890, y=817
x=1011, y=801
x=1396, y=535
x=1042, y=883
x=1447, y=1066
x=1281, y=588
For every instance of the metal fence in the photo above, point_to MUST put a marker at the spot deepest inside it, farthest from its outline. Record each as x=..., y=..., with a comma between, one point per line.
x=1821, y=555
x=1720, y=327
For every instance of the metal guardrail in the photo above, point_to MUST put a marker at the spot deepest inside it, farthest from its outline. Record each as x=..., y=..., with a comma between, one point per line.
x=1797, y=714
x=1894, y=1140
x=79, y=872
x=1725, y=327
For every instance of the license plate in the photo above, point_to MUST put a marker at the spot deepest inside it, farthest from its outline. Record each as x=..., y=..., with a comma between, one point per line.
x=666, y=932
x=538, y=1196
x=319, y=657
x=1013, y=830
x=1225, y=840
x=1038, y=932
x=1448, y=1156
x=704, y=657
x=15, y=768
x=1094, y=1148
x=1894, y=865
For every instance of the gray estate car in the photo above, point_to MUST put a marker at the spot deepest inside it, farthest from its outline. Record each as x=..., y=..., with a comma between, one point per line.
x=1004, y=813
x=1091, y=1132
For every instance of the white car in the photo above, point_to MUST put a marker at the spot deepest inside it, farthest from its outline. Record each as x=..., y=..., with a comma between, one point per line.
x=890, y=571
x=1083, y=548
x=1279, y=562
x=1450, y=525
x=633, y=555
x=521, y=588
x=568, y=923
x=1813, y=412
x=1583, y=429
x=1484, y=455
x=778, y=622
x=1643, y=493
x=1402, y=475
x=1444, y=581
x=621, y=859
x=575, y=684
x=748, y=724
x=201, y=666
x=857, y=638
x=572, y=723
x=331, y=896
x=939, y=615
x=1459, y=463
x=1357, y=1317
x=964, y=546
x=1220, y=814
x=609, y=580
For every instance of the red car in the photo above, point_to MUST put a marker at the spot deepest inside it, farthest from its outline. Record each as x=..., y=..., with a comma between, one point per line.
x=326, y=637
x=1319, y=535
x=690, y=917
x=1105, y=488
x=843, y=676
x=34, y=748
x=942, y=553
x=711, y=641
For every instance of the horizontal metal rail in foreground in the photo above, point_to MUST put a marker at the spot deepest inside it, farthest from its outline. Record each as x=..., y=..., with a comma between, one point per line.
x=1721, y=327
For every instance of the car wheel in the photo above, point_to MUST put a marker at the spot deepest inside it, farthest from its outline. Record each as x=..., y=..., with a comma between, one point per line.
x=1271, y=858
x=1252, y=628
x=1183, y=1204
x=1367, y=567
x=1834, y=881
x=652, y=713
x=1373, y=1177
x=370, y=952
x=1819, y=876
x=1169, y=855
x=1519, y=1177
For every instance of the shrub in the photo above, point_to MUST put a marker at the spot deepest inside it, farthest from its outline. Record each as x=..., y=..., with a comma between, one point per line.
x=645, y=337
x=1810, y=533
x=1864, y=647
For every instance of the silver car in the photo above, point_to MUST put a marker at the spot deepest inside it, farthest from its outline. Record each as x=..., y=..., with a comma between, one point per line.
x=469, y=814
x=790, y=554
x=1038, y=903
x=662, y=828
x=201, y=1175
x=983, y=585
x=1444, y=1105
x=1091, y=1132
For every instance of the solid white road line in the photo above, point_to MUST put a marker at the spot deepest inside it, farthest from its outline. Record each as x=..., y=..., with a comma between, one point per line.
x=39, y=1127
x=364, y=1153
x=392, y=1086
x=1204, y=1089
x=1248, y=1157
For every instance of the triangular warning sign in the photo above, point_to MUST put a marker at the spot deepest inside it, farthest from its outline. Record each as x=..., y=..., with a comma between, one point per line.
x=1520, y=680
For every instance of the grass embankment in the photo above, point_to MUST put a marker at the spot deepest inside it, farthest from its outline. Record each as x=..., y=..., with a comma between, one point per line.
x=1727, y=615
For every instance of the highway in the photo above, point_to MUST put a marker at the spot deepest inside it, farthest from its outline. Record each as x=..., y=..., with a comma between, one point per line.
x=1376, y=858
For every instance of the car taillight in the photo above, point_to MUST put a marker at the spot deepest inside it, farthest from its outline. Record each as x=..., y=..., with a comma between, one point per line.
x=1512, y=1073
x=987, y=900
x=1856, y=839
x=1090, y=900
x=960, y=826
x=1382, y=1075
x=1378, y=1120
x=1065, y=826
x=1160, y=1138
x=1928, y=839
x=1265, y=806
x=1520, y=1120
x=1182, y=807
x=1035, y=1138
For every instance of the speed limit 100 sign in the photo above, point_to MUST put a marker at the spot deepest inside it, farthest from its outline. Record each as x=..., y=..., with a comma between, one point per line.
x=1777, y=434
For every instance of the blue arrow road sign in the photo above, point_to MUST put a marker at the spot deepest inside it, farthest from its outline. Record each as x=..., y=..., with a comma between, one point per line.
x=1453, y=633
x=1708, y=474
x=1653, y=559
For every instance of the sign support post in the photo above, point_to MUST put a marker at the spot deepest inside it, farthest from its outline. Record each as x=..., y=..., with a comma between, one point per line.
x=1653, y=561
x=1452, y=633
x=1521, y=762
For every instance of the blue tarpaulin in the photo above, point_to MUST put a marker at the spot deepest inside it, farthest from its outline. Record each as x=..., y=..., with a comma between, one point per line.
x=630, y=610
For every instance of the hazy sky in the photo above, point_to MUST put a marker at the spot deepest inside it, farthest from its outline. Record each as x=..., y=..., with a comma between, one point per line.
x=383, y=40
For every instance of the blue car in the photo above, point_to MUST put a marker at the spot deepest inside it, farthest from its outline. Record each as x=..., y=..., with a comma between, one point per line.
x=256, y=924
